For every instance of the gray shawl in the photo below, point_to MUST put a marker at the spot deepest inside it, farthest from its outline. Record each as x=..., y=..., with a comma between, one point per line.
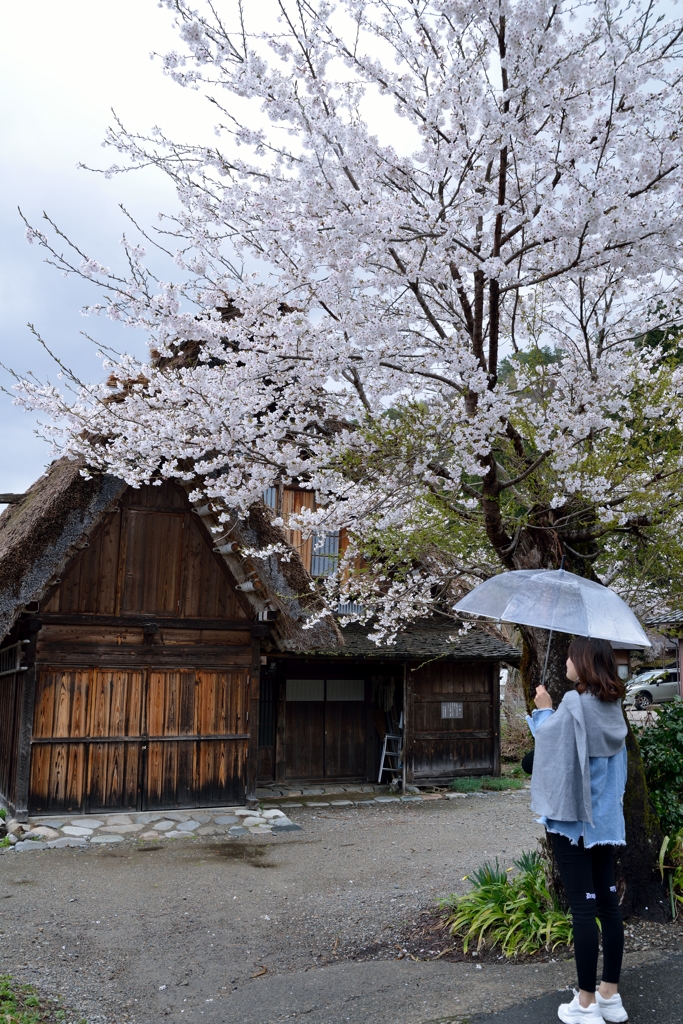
x=582, y=727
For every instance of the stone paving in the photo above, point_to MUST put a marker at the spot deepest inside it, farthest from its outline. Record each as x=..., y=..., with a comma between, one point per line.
x=272, y=818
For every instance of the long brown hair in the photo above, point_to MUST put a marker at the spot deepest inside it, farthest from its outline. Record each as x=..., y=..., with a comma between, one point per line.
x=596, y=667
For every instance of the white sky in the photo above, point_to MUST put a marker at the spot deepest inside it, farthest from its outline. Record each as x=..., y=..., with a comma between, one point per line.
x=62, y=68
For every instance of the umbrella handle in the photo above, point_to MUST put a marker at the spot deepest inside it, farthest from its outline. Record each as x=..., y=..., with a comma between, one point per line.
x=550, y=639
x=547, y=655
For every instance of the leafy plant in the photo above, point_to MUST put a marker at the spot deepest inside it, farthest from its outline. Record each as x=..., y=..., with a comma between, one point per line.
x=517, y=913
x=21, y=1004
x=474, y=784
x=672, y=851
x=3, y=813
x=661, y=746
x=4, y=841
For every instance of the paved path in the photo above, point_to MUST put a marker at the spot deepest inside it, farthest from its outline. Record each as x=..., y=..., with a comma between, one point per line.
x=273, y=928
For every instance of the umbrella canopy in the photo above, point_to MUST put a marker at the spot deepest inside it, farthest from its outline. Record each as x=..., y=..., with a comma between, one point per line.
x=557, y=600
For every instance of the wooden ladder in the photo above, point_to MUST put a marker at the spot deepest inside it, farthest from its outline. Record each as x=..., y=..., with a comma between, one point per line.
x=392, y=750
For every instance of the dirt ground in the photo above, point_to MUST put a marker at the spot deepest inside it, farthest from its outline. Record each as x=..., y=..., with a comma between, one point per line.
x=310, y=924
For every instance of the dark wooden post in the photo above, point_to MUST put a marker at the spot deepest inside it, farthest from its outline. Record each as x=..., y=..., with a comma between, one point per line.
x=280, y=730
x=495, y=712
x=408, y=720
x=254, y=696
x=28, y=692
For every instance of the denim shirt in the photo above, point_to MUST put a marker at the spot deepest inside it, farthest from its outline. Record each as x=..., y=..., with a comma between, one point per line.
x=608, y=782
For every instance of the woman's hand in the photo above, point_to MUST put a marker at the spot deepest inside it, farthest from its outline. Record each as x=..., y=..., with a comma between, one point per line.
x=542, y=698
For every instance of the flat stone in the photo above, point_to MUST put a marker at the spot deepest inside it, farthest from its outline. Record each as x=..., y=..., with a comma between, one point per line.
x=260, y=830
x=52, y=823
x=202, y=817
x=237, y=830
x=254, y=820
x=177, y=815
x=433, y=796
x=148, y=817
x=311, y=803
x=387, y=800
x=341, y=803
x=243, y=812
x=150, y=835
x=86, y=821
x=208, y=830
x=272, y=813
x=292, y=805
x=312, y=792
x=29, y=844
x=121, y=829
x=287, y=828
x=106, y=839
x=175, y=834
x=75, y=830
x=42, y=832
x=66, y=841
x=292, y=792
x=415, y=799
x=162, y=826
x=449, y=796
x=188, y=826
x=226, y=819
x=281, y=822
x=119, y=819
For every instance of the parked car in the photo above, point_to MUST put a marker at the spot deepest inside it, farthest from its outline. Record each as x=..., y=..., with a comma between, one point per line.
x=652, y=687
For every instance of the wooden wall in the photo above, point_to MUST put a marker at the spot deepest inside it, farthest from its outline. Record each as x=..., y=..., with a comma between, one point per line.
x=440, y=748
x=11, y=696
x=144, y=667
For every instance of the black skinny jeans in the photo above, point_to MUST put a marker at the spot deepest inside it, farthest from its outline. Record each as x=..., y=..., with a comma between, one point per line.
x=588, y=879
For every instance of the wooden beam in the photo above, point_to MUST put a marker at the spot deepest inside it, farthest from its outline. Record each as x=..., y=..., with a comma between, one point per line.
x=23, y=776
x=280, y=731
x=254, y=698
x=408, y=728
x=495, y=696
x=165, y=622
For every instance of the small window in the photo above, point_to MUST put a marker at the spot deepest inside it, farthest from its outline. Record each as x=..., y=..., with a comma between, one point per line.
x=345, y=689
x=452, y=709
x=325, y=553
x=270, y=497
x=306, y=689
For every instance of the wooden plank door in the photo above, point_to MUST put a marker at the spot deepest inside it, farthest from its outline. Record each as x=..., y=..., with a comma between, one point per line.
x=454, y=720
x=345, y=729
x=197, y=738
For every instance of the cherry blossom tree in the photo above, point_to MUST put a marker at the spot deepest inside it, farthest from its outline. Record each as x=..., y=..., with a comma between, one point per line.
x=414, y=274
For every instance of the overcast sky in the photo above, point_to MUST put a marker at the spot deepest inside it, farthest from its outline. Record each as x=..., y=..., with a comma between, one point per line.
x=62, y=68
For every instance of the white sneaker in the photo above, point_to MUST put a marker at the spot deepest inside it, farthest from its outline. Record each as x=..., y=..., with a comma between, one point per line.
x=575, y=1013
x=612, y=1009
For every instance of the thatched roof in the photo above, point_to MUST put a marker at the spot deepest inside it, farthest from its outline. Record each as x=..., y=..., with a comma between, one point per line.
x=40, y=533
x=427, y=640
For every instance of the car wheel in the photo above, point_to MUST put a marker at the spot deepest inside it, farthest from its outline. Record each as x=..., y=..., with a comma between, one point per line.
x=642, y=701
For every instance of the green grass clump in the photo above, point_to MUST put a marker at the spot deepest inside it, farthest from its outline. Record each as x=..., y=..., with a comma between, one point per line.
x=477, y=783
x=466, y=785
x=21, y=1004
x=3, y=813
x=516, y=913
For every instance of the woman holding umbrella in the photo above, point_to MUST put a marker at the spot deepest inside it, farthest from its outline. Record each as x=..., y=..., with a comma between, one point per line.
x=579, y=772
x=577, y=789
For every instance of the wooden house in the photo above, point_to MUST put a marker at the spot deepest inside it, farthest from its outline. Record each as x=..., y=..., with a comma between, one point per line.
x=148, y=661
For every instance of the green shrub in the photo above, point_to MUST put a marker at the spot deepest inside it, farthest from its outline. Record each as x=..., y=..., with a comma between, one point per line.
x=3, y=813
x=466, y=785
x=474, y=784
x=516, y=913
x=661, y=745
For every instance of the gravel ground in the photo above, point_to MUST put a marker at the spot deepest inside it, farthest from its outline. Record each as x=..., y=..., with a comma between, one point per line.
x=231, y=929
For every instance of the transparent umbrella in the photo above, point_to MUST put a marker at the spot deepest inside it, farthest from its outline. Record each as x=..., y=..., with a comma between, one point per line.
x=556, y=600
